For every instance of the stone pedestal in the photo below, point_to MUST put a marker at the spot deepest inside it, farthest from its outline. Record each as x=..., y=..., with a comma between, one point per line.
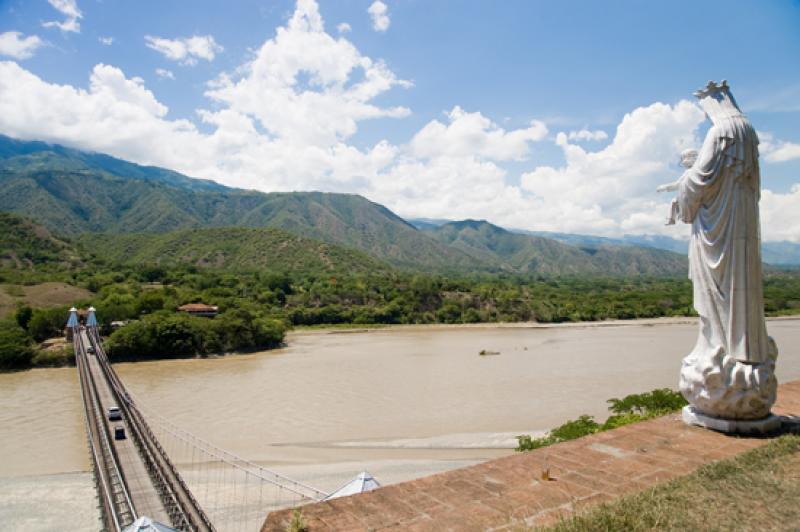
x=692, y=416
x=721, y=387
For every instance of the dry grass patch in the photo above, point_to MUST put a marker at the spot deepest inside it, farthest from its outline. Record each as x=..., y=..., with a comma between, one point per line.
x=757, y=490
x=39, y=296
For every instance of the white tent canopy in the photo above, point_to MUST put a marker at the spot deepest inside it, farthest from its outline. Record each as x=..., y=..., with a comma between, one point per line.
x=145, y=524
x=363, y=482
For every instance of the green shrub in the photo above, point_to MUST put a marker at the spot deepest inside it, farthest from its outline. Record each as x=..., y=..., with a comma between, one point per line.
x=23, y=316
x=15, y=346
x=48, y=322
x=54, y=358
x=630, y=409
x=577, y=428
x=660, y=401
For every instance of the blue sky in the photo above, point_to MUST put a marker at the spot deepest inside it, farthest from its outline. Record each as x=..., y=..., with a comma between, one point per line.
x=539, y=115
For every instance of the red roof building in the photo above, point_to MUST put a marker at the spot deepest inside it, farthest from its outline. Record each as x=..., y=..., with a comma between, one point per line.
x=199, y=309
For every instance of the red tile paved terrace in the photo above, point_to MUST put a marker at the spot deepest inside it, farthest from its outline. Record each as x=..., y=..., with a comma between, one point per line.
x=509, y=492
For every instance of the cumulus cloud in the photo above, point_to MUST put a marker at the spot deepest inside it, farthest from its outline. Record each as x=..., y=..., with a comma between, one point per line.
x=586, y=134
x=107, y=41
x=379, y=13
x=13, y=44
x=473, y=134
x=68, y=8
x=777, y=151
x=186, y=50
x=612, y=189
x=343, y=27
x=164, y=73
x=780, y=214
x=286, y=119
x=307, y=87
x=281, y=123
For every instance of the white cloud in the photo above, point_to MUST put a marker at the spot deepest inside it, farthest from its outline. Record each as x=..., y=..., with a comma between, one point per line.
x=68, y=8
x=164, y=73
x=777, y=151
x=586, y=134
x=285, y=121
x=613, y=187
x=307, y=87
x=108, y=41
x=780, y=214
x=474, y=134
x=380, y=16
x=343, y=27
x=281, y=124
x=186, y=50
x=14, y=45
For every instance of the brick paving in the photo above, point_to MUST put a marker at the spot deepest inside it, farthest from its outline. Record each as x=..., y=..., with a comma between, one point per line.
x=509, y=493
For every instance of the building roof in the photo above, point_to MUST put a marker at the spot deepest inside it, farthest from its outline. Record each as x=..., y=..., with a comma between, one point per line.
x=198, y=307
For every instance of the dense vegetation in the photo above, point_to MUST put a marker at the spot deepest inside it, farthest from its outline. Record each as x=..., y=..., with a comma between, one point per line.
x=256, y=307
x=166, y=334
x=630, y=409
x=24, y=244
x=232, y=249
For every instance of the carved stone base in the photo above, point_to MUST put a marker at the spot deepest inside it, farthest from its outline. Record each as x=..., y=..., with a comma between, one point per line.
x=771, y=423
x=721, y=387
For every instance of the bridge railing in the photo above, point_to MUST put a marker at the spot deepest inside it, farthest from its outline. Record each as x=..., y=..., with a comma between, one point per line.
x=117, y=508
x=183, y=509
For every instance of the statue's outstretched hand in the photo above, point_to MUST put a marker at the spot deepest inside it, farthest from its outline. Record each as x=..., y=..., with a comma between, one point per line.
x=669, y=187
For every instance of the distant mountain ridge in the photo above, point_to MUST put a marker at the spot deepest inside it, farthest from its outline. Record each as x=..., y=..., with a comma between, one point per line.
x=779, y=253
x=74, y=192
x=27, y=156
x=535, y=254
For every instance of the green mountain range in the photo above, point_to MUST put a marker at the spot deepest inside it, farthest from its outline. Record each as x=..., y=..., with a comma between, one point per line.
x=73, y=192
x=25, y=244
x=233, y=248
x=534, y=254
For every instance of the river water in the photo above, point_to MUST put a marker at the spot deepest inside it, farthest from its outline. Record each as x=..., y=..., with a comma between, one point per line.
x=399, y=402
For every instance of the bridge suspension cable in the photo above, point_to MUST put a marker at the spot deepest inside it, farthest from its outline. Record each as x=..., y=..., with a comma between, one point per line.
x=236, y=493
x=198, y=482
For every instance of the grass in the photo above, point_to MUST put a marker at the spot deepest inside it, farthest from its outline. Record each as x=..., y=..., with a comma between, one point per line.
x=757, y=490
x=50, y=294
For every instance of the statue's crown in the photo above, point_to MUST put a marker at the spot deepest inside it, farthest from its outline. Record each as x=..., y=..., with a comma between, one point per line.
x=712, y=88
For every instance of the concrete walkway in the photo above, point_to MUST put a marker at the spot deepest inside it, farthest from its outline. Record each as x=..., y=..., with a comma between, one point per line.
x=509, y=492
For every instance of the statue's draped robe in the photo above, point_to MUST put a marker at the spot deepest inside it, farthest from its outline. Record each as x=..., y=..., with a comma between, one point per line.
x=719, y=196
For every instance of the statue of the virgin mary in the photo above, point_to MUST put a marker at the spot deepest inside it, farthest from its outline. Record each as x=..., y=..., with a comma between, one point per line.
x=730, y=372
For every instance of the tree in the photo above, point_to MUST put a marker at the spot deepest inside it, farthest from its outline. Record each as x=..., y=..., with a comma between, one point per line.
x=48, y=323
x=23, y=316
x=15, y=346
x=149, y=302
x=135, y=340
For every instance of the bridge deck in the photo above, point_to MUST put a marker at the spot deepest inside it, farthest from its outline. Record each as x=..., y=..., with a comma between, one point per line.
x=140, y=487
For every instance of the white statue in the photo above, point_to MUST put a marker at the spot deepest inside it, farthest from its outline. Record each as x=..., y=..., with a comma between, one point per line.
x=729, y=375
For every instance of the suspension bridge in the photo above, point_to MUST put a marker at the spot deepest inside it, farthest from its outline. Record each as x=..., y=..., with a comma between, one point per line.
x=145, y=466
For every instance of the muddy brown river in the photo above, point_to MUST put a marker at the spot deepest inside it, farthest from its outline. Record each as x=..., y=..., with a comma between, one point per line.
x=399, y=402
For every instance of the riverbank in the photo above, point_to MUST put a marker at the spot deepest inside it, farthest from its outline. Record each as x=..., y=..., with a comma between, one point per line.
x=358, y=328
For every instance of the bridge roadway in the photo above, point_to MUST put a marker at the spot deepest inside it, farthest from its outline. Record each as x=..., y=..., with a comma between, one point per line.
x=134, y=475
